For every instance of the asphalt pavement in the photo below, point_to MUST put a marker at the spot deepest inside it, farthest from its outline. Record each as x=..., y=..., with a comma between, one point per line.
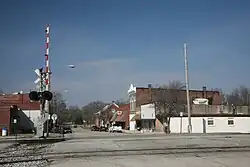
x=208, y=160
x=96, y=149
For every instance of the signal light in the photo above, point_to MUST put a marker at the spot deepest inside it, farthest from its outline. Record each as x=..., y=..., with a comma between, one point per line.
x=36, y=96
x=47, y=95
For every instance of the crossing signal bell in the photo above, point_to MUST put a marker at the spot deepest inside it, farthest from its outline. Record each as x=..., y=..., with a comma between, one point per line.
x=36, y=96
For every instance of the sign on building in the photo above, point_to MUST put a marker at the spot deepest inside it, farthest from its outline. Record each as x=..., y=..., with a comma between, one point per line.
x=148, y=111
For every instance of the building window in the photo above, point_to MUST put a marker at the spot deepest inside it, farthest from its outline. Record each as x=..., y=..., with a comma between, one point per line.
x=230, y=122
x=210, y=122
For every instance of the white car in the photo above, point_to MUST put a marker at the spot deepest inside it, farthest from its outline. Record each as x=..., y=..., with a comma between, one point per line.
x=115, y=128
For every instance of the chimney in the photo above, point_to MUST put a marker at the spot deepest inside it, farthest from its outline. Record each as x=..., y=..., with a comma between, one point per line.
x=150, y=92
x=204, y=92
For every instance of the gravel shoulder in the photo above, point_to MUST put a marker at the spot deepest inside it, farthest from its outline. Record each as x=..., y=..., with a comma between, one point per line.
x=19, y=155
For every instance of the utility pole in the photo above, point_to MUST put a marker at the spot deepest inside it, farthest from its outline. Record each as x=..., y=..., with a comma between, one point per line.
x=187, y=89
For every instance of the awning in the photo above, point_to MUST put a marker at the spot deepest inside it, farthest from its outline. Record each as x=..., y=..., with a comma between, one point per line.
x=113, y=117
x=136, y=117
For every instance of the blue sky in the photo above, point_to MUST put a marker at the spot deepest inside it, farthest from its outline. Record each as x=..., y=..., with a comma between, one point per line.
x=116, y=43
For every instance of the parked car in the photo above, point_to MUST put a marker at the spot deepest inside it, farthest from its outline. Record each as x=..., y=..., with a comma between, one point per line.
x=65, y=129
x=55, y=130
x=115, y=128
x=94, y=128
x=138, y=128
x=103, y=129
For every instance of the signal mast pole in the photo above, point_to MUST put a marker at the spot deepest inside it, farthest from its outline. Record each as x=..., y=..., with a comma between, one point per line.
x=47, y=73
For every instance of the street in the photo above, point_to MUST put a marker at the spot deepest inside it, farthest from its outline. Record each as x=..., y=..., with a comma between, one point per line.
x=214, y=160
x=105, y=149
x=104, y=143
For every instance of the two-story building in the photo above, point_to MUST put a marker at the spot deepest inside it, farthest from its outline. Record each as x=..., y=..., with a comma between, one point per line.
x=142, y=96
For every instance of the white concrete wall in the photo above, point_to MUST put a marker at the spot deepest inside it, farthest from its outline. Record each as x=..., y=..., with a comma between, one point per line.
x=148, y=111
x=200, y=124
x=33, y=115
x=241, y=125
x=176, y=122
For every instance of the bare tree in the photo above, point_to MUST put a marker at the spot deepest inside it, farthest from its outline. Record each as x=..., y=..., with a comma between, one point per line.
x=89, y=110
x=57, y=104
x=239, y=96
x=166, y=99
x=122, y=101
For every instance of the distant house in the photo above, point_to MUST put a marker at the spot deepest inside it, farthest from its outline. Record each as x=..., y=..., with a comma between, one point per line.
x=121, y=116
x=112, y=113
x=104, y=116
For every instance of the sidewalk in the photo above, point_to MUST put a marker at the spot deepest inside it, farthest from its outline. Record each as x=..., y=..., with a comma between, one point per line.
x=31, y=138
x=141, y=132
x=22, y=136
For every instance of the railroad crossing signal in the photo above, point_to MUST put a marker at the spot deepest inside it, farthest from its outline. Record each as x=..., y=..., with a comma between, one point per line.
x=36, y=96
x=38, y=73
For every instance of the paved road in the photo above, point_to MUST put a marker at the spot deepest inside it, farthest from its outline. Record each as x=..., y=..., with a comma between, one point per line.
x=208, y=160
x=100, y=142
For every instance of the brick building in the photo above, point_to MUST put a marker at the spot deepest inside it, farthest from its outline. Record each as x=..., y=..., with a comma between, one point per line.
x=14, y=105
x=144, y=95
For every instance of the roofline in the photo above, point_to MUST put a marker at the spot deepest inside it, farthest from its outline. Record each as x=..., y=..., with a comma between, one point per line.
x=193, y=90
x=108, y=105
x=217, y=115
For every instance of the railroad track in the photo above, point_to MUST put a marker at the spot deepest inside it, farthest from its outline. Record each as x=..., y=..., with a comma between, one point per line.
x=53, y=155
x=16, y=155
